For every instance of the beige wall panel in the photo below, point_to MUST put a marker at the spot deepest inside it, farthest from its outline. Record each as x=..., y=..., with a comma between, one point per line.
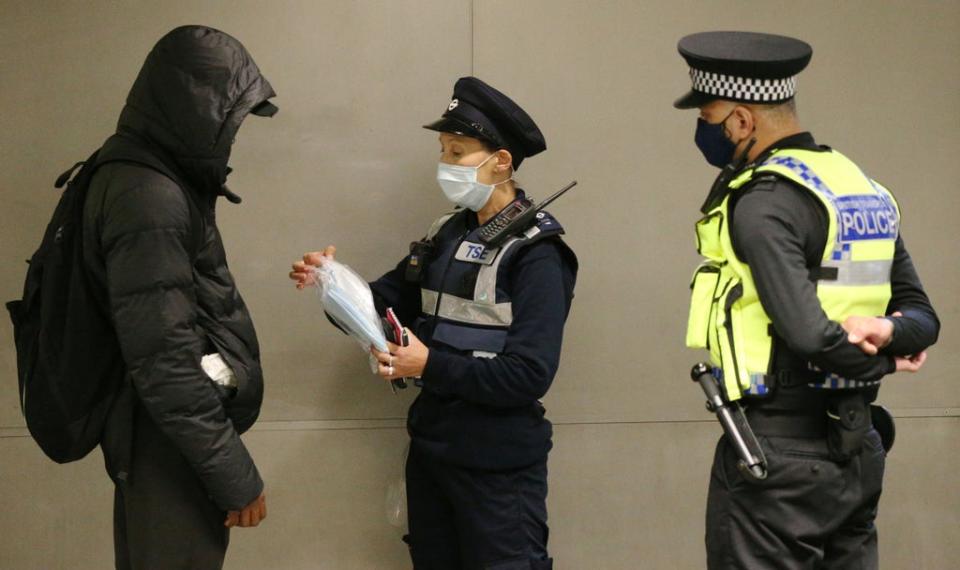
x=600, y=78
x=629, y=496
x=919, y=521
x=327, y=499
x=622, y=496
x=326, y=496
x=355, y=81
x=57, y=516
x=633, y=496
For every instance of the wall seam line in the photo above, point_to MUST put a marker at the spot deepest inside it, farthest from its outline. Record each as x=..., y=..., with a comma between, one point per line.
x=473, y=37
x=12, y=432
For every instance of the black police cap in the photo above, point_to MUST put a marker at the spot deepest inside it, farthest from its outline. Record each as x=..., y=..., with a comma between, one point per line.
x=478, y=110
x=745, y=67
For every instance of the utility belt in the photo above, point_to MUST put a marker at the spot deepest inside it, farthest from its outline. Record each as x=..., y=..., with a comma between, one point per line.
x=785, y=424
x=843, y=417
x=765, y=385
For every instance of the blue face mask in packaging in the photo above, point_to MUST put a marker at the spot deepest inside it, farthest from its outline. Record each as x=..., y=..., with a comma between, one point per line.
x=347, y=299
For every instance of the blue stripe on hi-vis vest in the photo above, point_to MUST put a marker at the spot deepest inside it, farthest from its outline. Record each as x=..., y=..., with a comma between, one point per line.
x=860, y=217
x=864, y=217
x=803, y=171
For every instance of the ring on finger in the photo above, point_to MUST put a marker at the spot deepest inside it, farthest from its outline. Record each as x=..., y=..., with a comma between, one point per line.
x=389, y=370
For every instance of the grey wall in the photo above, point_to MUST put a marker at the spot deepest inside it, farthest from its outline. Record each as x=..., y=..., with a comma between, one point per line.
x=345, y=162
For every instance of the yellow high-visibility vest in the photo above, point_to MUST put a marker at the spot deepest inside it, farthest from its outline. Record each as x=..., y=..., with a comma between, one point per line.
x=726, y=316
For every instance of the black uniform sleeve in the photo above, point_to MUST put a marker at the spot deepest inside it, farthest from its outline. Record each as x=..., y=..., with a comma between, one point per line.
x=146, y=242
x=542, y=283
x=777, y=231
x=393, y=290
x=919, y=326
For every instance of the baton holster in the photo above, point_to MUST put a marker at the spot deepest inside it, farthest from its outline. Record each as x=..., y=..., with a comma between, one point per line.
x=736, y=428
x=883, y=422
x=848, y=421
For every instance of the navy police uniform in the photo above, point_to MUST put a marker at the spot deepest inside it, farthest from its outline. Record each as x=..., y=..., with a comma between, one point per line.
x=813, y=510
x=493, y=321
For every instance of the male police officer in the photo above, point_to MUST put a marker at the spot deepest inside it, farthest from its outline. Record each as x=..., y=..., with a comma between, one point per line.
x=806, y=299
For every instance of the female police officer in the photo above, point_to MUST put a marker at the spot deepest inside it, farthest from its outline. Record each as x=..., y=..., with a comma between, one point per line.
x=484, y=342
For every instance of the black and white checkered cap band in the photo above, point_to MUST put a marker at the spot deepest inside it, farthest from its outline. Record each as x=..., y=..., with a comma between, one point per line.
x=743, y=88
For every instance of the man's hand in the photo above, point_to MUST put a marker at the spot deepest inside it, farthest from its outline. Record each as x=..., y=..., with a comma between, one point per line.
x=303, y=270
x=871, y=334
x=402, y=361
x=910, y=363
x=251, y=515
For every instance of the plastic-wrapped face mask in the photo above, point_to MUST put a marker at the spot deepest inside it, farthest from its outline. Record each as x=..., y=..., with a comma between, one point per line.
x=459, y=184
x=346, y=297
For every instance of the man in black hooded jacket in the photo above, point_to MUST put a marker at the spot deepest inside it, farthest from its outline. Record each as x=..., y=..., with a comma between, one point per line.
x=151, y=246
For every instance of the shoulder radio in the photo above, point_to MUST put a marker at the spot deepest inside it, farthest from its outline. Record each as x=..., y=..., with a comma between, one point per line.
x=516, y=218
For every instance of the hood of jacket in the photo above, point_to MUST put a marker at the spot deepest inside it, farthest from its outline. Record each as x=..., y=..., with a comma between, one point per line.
x=194, y=90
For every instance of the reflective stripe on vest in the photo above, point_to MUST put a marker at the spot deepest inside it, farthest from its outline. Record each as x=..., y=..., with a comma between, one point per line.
x=465, y=310
x=726, y=316
x=858, y=217
x=483, y=309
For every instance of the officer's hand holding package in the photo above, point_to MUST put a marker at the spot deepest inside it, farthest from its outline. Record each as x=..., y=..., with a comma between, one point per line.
x=401, y=361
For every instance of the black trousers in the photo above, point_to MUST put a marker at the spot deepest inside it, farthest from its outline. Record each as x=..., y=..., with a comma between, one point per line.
x=468, y=519
x=162, y=516
x=809, y=513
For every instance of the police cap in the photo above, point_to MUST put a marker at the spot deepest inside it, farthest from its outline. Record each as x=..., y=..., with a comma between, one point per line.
x=745, y=67
x=480, y=111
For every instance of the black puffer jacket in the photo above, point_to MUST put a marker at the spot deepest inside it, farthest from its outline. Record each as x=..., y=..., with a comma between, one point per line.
x=159, y=258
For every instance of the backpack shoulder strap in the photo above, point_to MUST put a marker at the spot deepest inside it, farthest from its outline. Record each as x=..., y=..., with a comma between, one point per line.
x=198, y=221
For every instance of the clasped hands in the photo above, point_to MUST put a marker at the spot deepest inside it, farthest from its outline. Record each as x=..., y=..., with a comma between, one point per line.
x=399, y=361
x=872, y=334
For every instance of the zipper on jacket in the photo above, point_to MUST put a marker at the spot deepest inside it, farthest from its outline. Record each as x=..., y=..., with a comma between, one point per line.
x=732, y=297
x=709, y=268
x=715, y=310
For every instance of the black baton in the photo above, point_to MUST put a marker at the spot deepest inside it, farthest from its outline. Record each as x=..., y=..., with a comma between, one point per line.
x=752, y=461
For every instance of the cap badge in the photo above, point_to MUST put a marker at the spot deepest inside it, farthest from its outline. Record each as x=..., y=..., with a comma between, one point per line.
x=453, y=104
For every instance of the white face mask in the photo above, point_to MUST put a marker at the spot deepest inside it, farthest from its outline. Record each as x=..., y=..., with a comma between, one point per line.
x=459, y=184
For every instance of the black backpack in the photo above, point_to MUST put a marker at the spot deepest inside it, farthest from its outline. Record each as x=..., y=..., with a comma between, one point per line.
x=69, y=364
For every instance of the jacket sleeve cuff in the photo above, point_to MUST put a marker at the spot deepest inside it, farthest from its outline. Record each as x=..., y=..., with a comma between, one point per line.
x=891, y=365
x=897, y=326
x=436, y=377
x=891, y=346
x=241, y=497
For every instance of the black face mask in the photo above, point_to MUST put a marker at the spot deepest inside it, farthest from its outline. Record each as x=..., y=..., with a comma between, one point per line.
x=713, y=143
